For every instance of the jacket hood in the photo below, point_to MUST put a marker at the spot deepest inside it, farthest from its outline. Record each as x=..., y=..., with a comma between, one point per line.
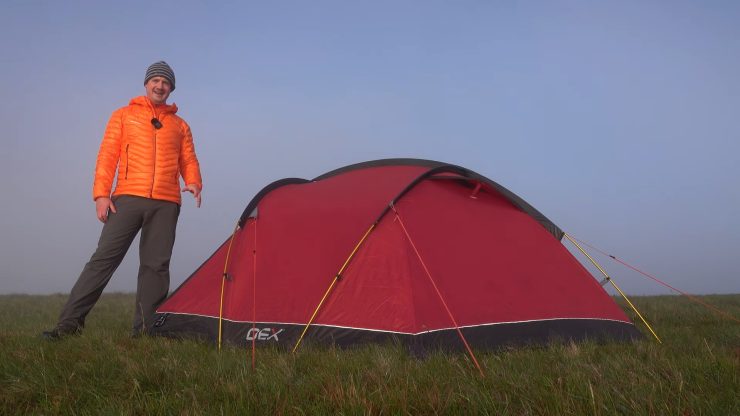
x=142, y=100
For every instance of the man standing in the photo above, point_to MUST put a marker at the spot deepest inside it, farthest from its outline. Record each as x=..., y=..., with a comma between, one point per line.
x=151, y=147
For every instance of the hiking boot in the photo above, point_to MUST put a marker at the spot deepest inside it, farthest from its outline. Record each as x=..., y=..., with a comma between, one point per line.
x=60, y=332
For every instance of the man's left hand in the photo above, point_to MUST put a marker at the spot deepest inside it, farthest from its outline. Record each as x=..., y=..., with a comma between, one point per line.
x=195, y=190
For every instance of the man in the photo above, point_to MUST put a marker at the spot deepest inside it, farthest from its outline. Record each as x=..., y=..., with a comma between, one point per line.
x=151, y=147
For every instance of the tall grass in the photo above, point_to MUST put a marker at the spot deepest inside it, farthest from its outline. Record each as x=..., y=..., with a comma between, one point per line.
x=695, y=371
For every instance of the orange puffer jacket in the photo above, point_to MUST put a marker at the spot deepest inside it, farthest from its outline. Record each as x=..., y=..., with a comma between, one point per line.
x=150, y=161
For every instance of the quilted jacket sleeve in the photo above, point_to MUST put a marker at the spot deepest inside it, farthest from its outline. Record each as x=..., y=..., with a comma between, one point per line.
x=108, y=156
x=189, y=166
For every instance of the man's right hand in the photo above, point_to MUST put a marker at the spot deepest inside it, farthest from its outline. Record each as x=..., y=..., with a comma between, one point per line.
x=102, y=205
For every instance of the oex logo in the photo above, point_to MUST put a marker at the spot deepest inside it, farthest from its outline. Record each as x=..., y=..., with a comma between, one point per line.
x=263, y=334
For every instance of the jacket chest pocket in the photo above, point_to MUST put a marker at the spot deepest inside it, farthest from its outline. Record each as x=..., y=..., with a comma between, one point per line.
x=125, y=176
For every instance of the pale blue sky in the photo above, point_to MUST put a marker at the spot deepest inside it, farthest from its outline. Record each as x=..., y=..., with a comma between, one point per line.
x=619, y=120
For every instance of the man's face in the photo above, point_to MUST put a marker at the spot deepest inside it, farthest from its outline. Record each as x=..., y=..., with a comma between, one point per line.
x=158, y=89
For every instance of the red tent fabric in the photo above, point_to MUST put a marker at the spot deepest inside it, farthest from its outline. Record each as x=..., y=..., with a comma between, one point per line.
x=449, y=249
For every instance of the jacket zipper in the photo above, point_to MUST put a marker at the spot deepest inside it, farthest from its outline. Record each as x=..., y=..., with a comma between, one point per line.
x=154, y=161
x=154, y=164
x=126, y=175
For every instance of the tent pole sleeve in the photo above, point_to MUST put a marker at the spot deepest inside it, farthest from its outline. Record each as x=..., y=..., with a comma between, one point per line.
x=333, y=282
x=439, y=294
x=609, y=279
x=223, y=286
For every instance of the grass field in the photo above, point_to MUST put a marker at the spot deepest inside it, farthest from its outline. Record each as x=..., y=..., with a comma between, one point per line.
x=696, y=371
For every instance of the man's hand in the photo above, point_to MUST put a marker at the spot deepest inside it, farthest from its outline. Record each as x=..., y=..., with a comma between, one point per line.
x=102, y=205
x=195, y=190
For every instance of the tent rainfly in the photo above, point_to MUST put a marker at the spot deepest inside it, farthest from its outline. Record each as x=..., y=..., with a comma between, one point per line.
x=403, y=250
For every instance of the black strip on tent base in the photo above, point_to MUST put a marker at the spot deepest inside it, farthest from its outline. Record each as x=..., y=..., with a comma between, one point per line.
x=491, y=336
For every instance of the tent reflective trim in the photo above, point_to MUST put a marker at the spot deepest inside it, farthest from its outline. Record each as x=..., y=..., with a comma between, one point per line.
x=452, y=328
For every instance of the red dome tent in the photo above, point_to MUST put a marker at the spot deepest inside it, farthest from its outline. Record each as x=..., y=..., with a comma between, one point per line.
x=411, y=250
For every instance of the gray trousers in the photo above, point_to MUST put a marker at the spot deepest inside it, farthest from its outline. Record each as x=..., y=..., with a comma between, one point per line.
x=157, y=221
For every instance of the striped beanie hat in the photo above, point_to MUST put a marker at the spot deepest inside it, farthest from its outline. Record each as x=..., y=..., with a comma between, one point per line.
x=160, y=69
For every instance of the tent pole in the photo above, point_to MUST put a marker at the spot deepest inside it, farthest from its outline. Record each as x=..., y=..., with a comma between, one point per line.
x=224, y=276
x=333, y=282
x=609, y=279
